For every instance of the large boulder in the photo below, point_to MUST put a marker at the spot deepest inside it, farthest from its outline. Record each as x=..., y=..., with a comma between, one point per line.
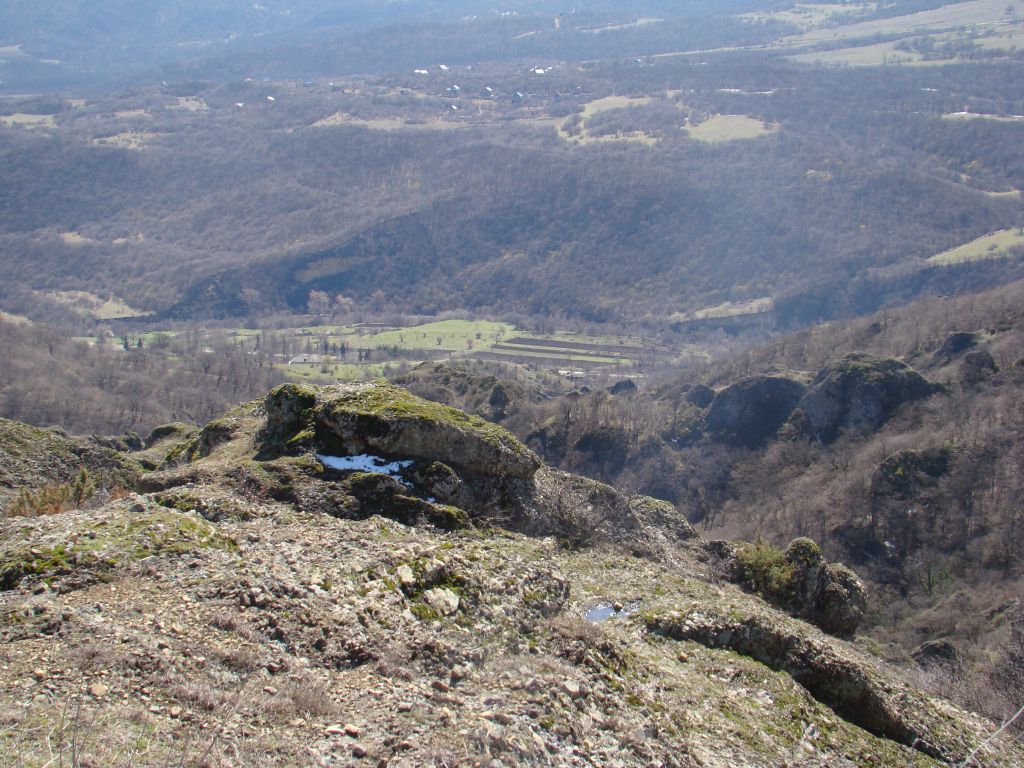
x=858, y=393
x=750, y=411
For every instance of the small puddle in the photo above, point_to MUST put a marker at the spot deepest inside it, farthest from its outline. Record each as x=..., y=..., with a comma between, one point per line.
x=604, y=611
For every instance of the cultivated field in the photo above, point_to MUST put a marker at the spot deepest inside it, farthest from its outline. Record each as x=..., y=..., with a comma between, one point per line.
x=809, y=16
x=872, y=55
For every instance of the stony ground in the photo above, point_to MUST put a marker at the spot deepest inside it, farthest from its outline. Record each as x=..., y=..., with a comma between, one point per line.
x=198, y=625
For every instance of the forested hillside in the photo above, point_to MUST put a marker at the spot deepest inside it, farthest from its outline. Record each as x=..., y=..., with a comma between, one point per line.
x=181, y=201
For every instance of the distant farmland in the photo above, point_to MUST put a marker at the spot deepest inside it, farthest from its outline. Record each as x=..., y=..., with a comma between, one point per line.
x=569, y=354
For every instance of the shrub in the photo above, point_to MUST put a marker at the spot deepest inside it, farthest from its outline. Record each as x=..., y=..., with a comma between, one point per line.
x=51, y=499
x=766, y=570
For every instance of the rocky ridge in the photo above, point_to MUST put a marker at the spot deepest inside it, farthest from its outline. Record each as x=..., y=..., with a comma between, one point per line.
x=350, y=575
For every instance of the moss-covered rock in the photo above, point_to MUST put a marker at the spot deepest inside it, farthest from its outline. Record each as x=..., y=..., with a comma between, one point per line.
x=289, y=414
x=384, y=419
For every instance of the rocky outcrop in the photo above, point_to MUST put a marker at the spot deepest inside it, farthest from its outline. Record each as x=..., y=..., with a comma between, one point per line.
x=954, y=344
x=797, y=580
x=750, y=411
x=387, y=420
x=941, y=653
x=858, y=393
x=699, y=395
x=848, y=682
x=829, y=595
x=624, y=387
x=357, y=450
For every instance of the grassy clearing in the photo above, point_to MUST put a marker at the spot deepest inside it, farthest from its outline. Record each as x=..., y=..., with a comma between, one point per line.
x=131, y=114
x=75, y=238
x=27, y=120
x=881, y=54
x=874, y=55
x=7, y=317
x=451, y=338
x=985, y=18
x=642, y=22
x=946, y=17
x=125, y=140
x=191, y=103
x=988, y=247
x=89, y=303
x=603, y=105
x=728, y=309
x=613, y=102
x=731, y=128
x=445, y=334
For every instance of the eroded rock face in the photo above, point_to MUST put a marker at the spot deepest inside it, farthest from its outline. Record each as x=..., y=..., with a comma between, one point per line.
x=859, y=393
x=750, y=411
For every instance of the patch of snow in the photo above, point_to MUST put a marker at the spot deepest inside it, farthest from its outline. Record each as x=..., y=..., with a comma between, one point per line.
x=364, y=462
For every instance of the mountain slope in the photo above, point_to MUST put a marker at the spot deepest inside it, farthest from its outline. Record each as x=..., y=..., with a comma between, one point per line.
x=264, y=606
